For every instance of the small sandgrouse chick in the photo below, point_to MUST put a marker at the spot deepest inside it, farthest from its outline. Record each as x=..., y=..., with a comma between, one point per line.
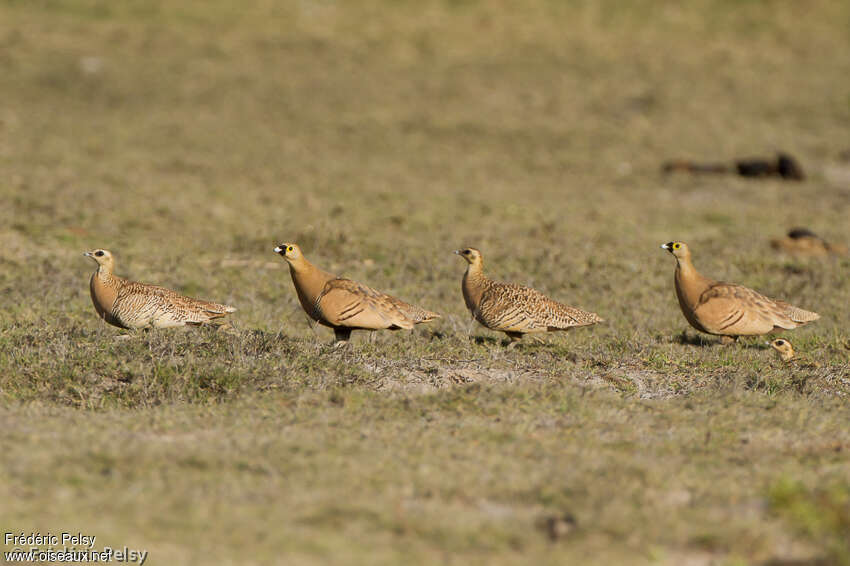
x=345, y=305
x=804, y=242
x=727, y=309
x=514, y=309
x=128, y=304
x=785, y=351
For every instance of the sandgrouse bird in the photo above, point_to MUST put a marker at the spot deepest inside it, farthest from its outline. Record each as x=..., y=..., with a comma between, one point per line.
x=514, y=309
x=804, y=242
x=346, y=305
x=785, y=350
x=727, y=309
x=128, y=304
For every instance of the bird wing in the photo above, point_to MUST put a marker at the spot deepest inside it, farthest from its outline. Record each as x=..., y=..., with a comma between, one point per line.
x=504, y=307
x=344, y=302
x=161, y=307
x=735, y=310
x=514, y=308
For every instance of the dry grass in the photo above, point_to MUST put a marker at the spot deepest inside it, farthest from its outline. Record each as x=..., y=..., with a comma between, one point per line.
x=190, y=138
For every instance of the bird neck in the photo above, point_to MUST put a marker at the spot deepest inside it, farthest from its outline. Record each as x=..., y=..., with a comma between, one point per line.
x=105, y=269
x=105, y=276
x=474, y=284
x=309, y=282
x=690, y=284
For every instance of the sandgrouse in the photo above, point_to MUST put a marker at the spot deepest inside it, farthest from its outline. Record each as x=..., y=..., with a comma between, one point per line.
x=727, y=309
x=345, y=305
x=128, y=304
x=785, y=350
x=804, y=242
x=514, y=309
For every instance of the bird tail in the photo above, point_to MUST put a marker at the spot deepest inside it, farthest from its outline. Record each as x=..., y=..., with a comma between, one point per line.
x=419, y=315
x=799, y=315
x=217, y=308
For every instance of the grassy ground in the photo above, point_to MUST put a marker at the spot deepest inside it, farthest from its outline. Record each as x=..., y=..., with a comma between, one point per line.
x=191, y=137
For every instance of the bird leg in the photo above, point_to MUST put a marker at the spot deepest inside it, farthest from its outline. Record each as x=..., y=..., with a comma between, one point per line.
x=225, y=327
x=341, y=336
x=515, y=337
x=727, y=340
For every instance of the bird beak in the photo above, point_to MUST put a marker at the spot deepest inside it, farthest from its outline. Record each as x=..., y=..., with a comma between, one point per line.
x=87, y=254
x=278, y=249
x=665, y=247
x=458, y=252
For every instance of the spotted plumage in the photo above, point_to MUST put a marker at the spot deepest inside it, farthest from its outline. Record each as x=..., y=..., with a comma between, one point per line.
x=514, y=309
x=727, y=309
x=346, y=305
x=128, y=304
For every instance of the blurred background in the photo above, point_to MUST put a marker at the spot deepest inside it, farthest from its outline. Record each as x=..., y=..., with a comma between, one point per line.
x=212, y=128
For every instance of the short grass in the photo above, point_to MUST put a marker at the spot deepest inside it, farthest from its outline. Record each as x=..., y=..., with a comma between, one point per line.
x=191, y=137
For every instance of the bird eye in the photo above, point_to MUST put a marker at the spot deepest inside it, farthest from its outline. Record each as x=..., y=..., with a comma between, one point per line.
x=676, y=246
x=780, y=342
x=466, y=252
x=289, y=248
x=99, y=253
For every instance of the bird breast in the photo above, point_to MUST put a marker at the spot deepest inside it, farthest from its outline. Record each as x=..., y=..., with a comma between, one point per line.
x=104, y=291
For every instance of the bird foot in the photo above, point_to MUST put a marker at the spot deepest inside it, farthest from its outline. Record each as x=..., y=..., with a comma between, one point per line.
x=728, y=340
x=226, y=328
x=514, y=338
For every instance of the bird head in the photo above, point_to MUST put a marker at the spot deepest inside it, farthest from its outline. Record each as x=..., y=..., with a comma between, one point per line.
x=102, y=257
x=289, y=252
x=471, y=255
x=784, y=348
x=678, y=249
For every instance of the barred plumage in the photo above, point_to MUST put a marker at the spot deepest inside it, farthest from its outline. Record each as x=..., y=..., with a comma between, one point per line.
x=128, y=304
x=347, y=305
x=514, y=309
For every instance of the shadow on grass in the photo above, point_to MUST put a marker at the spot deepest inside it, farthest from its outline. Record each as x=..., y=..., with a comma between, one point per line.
x=488, y=340
x=756, y=342
x=695, y=340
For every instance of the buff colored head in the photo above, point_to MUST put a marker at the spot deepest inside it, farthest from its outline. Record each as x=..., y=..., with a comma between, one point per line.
x=783, y=348
x=102, y=257
x=471, y=255
x=678, y=249
x=290, y=252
